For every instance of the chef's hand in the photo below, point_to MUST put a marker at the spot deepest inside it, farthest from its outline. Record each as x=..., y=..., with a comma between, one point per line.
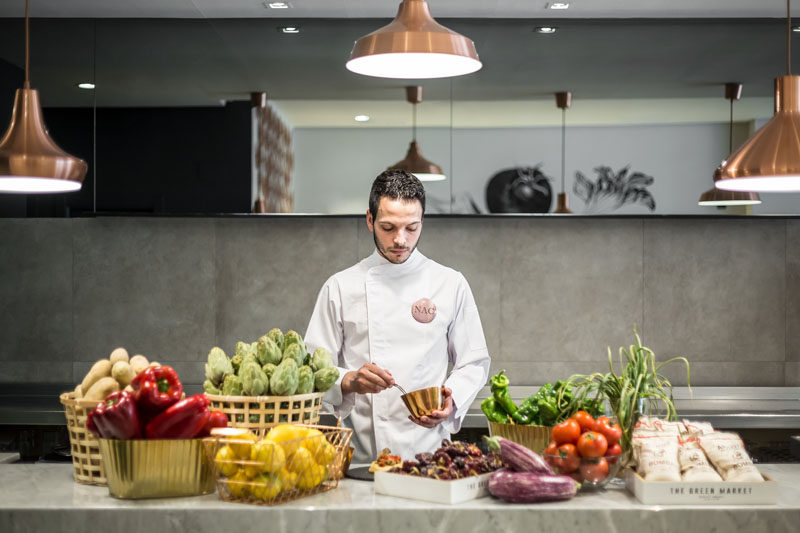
x=369, y=378
x=440, y=415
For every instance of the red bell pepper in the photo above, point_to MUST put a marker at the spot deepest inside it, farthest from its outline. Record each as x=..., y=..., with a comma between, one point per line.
x=216, y=419
x=183, y=420
x=156, y=388
x=115, y=417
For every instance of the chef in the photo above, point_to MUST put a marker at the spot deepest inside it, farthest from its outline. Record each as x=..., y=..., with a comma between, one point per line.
x=399, y=317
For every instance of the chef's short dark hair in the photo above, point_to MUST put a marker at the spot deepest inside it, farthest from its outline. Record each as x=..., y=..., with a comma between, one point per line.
x=397, y=185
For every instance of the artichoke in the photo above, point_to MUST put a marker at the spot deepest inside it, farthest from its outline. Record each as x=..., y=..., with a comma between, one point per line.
x=236, y=362
x=292, y=337
x=254, y=380
x=268, y=351
x=242, y=347
x=305, y=380
x=209, y=388
x=296, y=352
x=277, y=337
x=232, y=386
x=218, y=366
x=325, y=378
x=321, y=359
x=284, y=381
x=269, y=369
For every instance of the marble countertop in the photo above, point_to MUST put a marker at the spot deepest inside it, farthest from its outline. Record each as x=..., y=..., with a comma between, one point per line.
x=43, y=497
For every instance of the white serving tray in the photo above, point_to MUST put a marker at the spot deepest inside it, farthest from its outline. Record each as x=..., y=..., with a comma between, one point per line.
x=432, y=490
x=701, y=493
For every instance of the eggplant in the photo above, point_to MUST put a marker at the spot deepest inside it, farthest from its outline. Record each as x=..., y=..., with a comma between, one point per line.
x=518, y=457
x=527, y=487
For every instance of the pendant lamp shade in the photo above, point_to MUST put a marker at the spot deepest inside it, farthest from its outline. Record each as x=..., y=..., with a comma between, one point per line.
x=770, y=160
x=718, y=197
x=30, y=162
x=413, y=46
x=414, y=162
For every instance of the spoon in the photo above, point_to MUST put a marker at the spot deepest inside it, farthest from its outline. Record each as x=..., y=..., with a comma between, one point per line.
x=401, y=388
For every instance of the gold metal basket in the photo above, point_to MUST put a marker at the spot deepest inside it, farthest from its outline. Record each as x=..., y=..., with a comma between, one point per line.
x=261, y=412
x=262, y=483
x=87, y=463
x=159, y=468
x=535, y=438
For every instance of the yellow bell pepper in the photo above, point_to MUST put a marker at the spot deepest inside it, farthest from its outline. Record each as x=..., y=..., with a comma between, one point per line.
x=239, y=485
x=288, y=436
x=266, y=487
x=288, y=479
x=225, y=461
x=269, y=456
x=311, y=477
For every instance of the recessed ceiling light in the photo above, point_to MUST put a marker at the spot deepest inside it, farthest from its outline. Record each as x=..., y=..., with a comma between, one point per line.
x=546, y=29
x=86, y=85
x=558, y=5
x=796, y=28
x=289, y=29
x=277, y=5
x=361, y=118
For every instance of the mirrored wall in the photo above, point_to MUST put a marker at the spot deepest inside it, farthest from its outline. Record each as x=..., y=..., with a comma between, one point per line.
x=168, y=127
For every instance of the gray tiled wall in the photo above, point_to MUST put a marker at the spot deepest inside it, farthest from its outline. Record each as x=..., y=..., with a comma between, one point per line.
x=553, y=293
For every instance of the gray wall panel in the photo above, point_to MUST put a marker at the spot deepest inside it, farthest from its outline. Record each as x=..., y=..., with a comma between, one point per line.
x=793, y=291
x=269, y=272
x=145, y=284
x=35, y=291
x=715, y=290
x=570, y=287
x=553, y=292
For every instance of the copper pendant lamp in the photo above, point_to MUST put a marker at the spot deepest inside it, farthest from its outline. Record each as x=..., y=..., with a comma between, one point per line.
x=563, y=101
x=30, y=162
x=413, y=46
x=770, y=160
x=718, y=197
x=414, y=162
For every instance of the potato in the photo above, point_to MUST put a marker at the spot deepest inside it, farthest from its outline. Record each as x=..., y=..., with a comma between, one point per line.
x=78, y=392
x=119, y=354
x=138, y=363
x=155, y=363
x=128, y=388
x=102, y=388
x=122, y=372
x=100, y=369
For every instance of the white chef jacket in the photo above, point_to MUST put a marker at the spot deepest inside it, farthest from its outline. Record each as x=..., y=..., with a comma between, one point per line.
x=363, y=314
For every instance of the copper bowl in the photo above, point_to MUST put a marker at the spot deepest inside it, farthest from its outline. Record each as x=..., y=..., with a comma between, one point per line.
x=424, y=401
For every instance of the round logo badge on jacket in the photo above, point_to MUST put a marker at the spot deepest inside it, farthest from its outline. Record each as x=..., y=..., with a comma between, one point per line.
x=423, y=310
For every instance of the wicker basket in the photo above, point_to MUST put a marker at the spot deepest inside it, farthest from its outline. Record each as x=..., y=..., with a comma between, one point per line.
x=262, y=488
x=535, y=438
x=87, y=462
x=262, y=412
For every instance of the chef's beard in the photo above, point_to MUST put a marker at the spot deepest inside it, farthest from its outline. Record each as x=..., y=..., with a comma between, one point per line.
x=387, y=255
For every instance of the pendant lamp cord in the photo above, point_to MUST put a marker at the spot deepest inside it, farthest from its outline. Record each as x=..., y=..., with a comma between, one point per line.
x=563, y=144
x=27, y=48
x=788, y=39
x=414, y=123
x=730, y=131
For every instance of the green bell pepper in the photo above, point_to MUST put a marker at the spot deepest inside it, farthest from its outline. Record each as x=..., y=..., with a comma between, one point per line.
x=499, y=386
x=492, y=411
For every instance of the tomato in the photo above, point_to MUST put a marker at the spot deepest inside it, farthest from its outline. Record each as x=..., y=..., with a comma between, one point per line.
x=613, y=450
x=592, y=444
x=568, y=459
x=567, y=432
x=594, y=470
x=552, y=448
x=584, y=420
x=609, y=429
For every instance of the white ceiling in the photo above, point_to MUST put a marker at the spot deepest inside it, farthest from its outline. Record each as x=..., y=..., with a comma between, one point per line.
x=387, y=8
